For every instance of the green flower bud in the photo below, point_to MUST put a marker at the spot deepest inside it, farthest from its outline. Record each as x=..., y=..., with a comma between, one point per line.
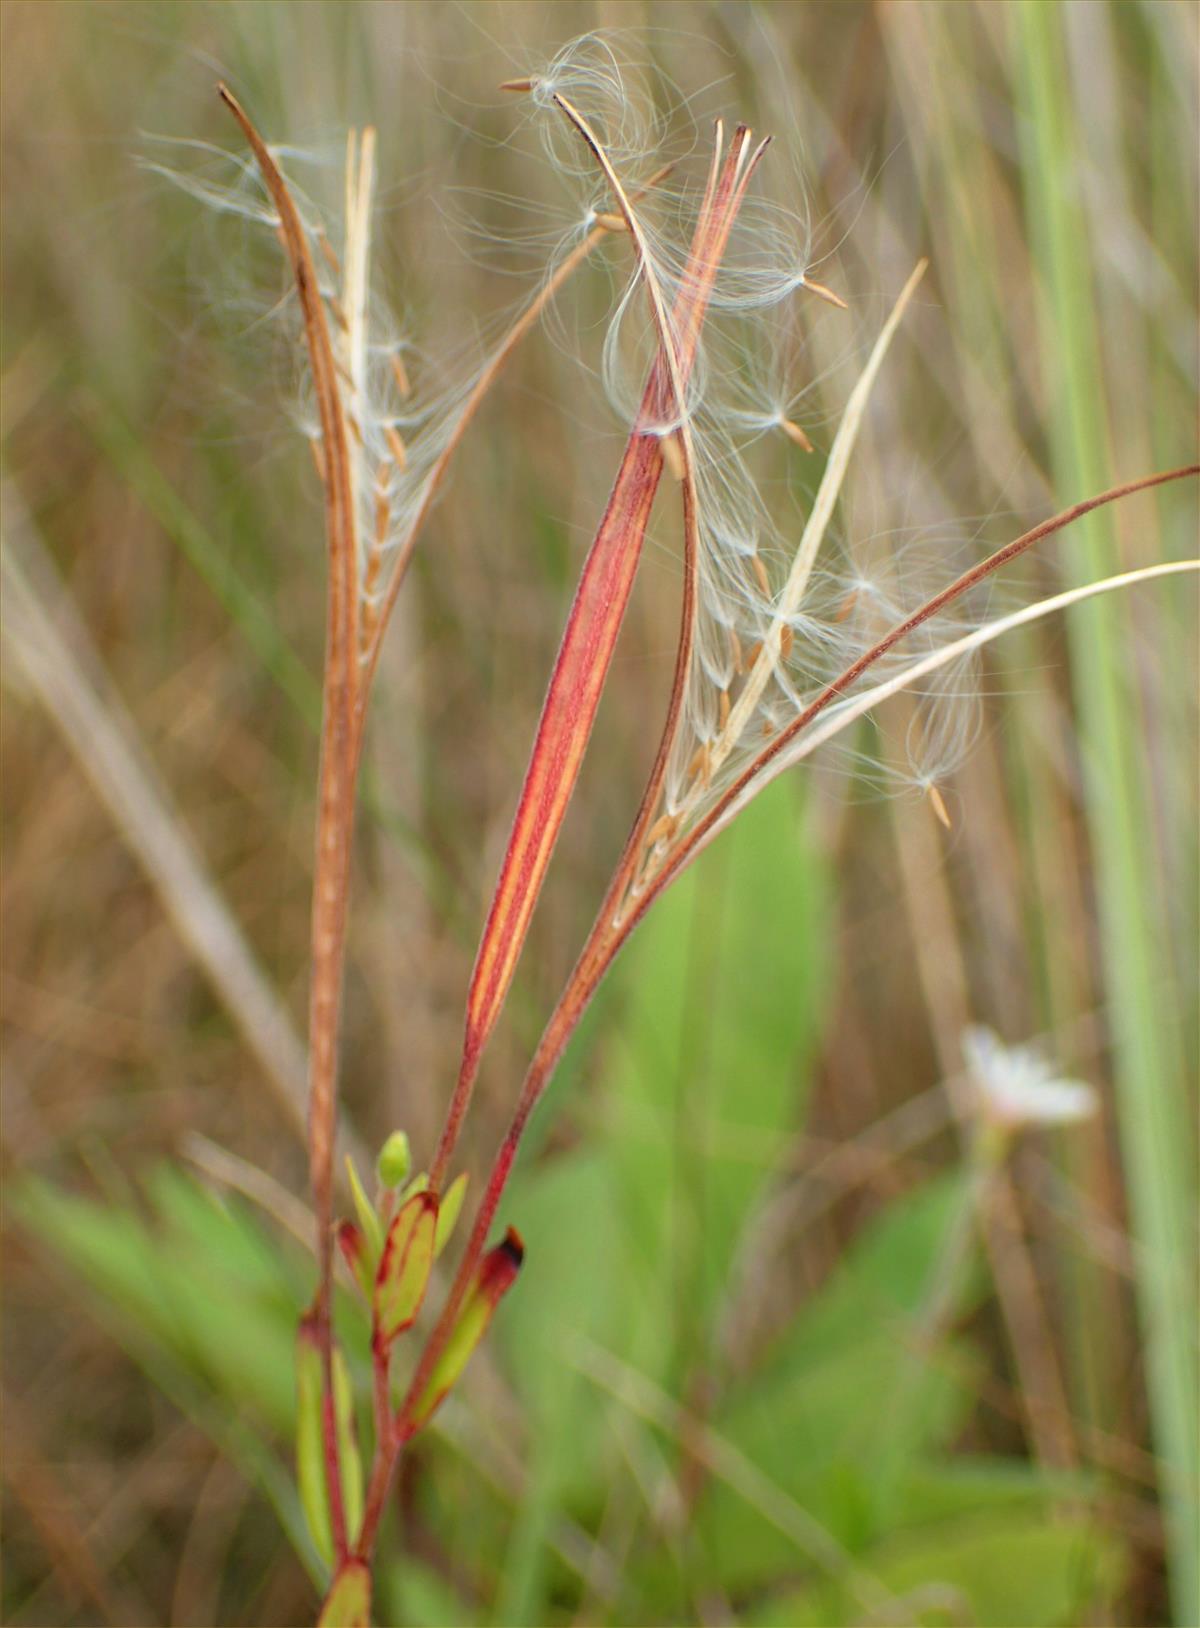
x=395, y=1161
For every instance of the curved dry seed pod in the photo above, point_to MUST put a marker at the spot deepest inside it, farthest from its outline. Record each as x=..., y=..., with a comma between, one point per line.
x=497, y=1274
x=404, y=1267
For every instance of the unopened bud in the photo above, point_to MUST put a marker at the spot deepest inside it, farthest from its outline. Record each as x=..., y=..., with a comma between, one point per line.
x=395, y=1161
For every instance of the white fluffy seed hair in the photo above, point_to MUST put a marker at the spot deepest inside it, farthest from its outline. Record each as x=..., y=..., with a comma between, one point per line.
x=768, y=635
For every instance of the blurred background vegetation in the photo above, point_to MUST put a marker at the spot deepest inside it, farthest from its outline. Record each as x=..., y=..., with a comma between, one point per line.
x=785, y=1351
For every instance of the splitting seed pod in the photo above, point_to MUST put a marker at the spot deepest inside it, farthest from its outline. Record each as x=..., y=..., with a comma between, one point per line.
x=497, y=1273
x=404, y=1268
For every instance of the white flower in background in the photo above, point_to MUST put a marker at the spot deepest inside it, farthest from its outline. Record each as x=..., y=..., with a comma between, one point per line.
x=1016, y=1085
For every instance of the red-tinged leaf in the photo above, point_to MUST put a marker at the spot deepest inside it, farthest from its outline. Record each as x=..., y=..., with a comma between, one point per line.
x=354, y=1252
x=590, y=637
x=404, y=1266
x=496, y=1275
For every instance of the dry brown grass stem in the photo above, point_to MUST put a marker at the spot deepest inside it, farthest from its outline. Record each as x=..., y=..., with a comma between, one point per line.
x=55, y=657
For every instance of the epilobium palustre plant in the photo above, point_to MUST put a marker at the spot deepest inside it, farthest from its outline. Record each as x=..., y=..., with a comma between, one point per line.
x=780, y=647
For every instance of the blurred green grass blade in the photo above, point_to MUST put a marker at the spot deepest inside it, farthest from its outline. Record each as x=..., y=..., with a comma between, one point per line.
x=725, y=991
x=1156, y=1134
x=137, y=1285
x=124, y=449
x=993, y=1572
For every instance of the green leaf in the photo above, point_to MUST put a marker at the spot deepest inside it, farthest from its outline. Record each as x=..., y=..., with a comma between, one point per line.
x=724, y=992
x=1040, y=1571
x=368, y=1219
x=449, y=1212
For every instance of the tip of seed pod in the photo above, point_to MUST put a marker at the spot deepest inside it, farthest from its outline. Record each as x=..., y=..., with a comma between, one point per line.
x=513, y=1246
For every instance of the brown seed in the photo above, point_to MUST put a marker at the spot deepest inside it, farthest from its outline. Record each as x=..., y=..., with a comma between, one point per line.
x=786, y=640
x=847, y=605
x=400, y=374
x=383, y=513
x=700, y=765
x=339, y=314
x=519, y=85
x=662, y=830
x=612, y=223
x=939, y=806
x=824, y=293
x=795, y=433
x=760, y=575
x=399, y=450
x=735, y=647
x=355, y=429
x=672, y=454
x=753, y=654
x=724, y=708
x=318, y=456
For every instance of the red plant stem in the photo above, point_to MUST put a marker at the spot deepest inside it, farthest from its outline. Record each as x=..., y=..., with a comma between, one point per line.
x=381, y=1363
x=345, y=693
x=336, y=795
